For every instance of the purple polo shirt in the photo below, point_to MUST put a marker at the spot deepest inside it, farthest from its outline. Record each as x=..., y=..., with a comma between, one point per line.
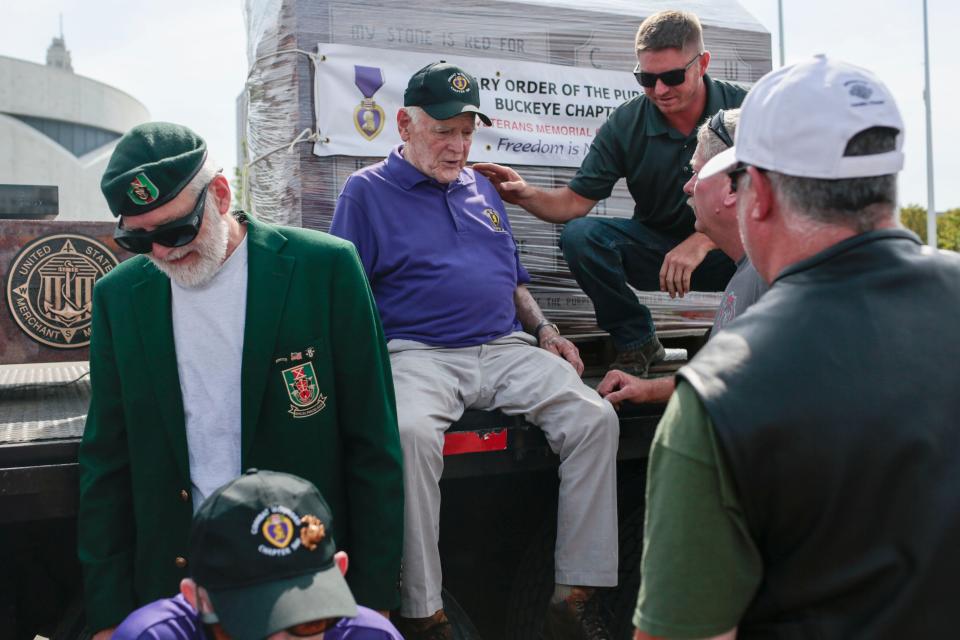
x=175, y=619
x=441, y=259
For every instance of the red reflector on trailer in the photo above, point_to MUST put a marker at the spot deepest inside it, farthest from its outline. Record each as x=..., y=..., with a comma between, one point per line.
x=474, y=442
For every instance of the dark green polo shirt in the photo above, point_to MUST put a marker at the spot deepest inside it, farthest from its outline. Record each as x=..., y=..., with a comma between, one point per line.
x=636, y=143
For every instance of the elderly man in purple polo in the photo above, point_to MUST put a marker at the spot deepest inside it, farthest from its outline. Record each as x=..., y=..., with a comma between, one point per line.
x=436, y=243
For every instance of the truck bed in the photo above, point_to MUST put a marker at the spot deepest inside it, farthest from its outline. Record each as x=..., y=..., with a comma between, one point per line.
x=43, y=411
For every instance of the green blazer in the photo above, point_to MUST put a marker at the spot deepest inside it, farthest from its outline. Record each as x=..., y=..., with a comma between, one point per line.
x=307, y=295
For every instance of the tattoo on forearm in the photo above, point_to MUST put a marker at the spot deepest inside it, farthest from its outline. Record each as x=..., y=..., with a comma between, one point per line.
x=528, y=311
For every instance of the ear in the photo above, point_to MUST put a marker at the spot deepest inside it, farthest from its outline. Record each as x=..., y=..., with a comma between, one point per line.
x=340, y=557
x=730, y=197
x=403, y=124
x=704, y=62
x=189, y=590
x=762, y=194
x=220, y=187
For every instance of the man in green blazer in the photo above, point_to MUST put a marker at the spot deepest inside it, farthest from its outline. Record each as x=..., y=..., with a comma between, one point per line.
x=230, y=344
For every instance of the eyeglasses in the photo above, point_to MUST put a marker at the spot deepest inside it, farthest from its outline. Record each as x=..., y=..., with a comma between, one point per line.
x=716, y=125
x=735, y=174
x=175, y=233
x=739, y=170
x=312, y=628
x=671, y=78
x=302, y=630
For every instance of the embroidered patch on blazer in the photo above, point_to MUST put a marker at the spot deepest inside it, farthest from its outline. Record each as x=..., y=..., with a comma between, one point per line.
x=301, y=385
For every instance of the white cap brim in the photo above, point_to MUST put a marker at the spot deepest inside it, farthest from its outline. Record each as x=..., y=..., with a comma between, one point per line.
x=723, y=162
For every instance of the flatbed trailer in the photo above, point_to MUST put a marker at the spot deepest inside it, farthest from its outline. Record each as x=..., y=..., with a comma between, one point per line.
x=499, y=491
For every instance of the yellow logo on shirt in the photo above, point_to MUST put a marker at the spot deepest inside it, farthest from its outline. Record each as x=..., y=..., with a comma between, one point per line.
x=494, y=219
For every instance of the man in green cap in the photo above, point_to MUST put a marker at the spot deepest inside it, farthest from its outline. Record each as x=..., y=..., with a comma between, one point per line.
x=648, y=140
x=464, y=332
x=229, y=344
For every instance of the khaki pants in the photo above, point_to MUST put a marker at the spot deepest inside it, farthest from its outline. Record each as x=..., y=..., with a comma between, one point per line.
x=434, y=385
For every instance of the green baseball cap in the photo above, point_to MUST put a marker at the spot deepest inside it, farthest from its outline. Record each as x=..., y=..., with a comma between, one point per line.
x=262, y=546
x=150, y=165
x=444, y=90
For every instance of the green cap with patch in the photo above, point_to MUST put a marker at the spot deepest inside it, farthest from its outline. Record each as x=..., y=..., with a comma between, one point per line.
x=150, y=165
x=444, y=91
x=262, y=546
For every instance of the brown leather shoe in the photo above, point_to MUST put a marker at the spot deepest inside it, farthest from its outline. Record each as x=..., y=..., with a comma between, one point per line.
x=577, y=617
x=435, y=627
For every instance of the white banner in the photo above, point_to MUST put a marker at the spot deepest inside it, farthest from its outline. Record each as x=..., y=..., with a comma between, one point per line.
x=542, y=114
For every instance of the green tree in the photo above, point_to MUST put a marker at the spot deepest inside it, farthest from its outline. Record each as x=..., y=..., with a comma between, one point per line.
x=914, y=217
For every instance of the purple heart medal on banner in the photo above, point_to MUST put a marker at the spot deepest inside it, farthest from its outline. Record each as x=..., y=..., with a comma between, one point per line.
x=368, y=117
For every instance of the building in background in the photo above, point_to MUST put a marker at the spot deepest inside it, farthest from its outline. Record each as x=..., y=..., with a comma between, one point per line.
x=58, y=129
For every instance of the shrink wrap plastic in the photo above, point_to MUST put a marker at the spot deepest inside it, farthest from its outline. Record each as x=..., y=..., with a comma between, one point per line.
x=284, y=182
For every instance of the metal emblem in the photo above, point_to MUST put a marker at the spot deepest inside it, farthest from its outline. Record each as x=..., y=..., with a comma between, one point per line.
x=368, y=117
x=301, y=384
x=312, y=531
x=277, y=529
x=142, y=190
x=50, y=288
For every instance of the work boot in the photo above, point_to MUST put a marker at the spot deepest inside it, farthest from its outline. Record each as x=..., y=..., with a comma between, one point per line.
x=576, y=617
x=435, y=627
x=637, y=361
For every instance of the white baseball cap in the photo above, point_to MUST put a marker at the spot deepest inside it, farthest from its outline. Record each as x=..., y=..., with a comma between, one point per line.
x=798, y=120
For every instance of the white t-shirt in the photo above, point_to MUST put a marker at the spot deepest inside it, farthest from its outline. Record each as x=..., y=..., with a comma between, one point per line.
x=208, y=336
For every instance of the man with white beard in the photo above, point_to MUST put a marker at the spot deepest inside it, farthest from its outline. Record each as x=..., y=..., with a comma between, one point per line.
x=229, y=344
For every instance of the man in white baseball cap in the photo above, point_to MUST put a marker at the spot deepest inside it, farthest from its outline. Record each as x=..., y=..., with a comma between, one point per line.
x=805, y=478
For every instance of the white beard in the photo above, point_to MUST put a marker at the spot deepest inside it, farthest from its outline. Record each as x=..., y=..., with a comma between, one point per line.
x=211, y=247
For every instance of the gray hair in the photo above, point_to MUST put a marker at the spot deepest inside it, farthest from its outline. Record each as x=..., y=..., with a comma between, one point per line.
x=670, y=30
x=416, y=114
x=859, y=203
x=207, y=172
x=708, y=143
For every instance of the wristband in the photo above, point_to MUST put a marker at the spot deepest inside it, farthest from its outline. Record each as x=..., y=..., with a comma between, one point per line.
x=539, y=327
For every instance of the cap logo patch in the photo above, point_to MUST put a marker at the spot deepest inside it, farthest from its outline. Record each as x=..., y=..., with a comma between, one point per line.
x=312, y=531
x=277, y=526
x=142, y=190
x=278, y=530
x=861, y=92
x=459, y=83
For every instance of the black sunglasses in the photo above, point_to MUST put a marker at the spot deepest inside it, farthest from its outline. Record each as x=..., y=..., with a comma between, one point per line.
x=175, y=233
x=670, y=78
x=716, y=125
x=735, y=174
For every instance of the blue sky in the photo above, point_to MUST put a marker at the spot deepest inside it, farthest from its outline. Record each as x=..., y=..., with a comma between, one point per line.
x=186, y=60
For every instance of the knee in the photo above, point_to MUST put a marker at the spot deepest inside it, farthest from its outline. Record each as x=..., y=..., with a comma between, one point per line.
x=597, y=430
x=604, y=429
x=609, y=424
x=579, y=234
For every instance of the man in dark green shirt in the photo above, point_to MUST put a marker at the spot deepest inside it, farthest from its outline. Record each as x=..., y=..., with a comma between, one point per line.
x=649, y=140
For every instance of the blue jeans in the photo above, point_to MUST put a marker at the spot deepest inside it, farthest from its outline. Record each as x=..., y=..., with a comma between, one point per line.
x=604, y=254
